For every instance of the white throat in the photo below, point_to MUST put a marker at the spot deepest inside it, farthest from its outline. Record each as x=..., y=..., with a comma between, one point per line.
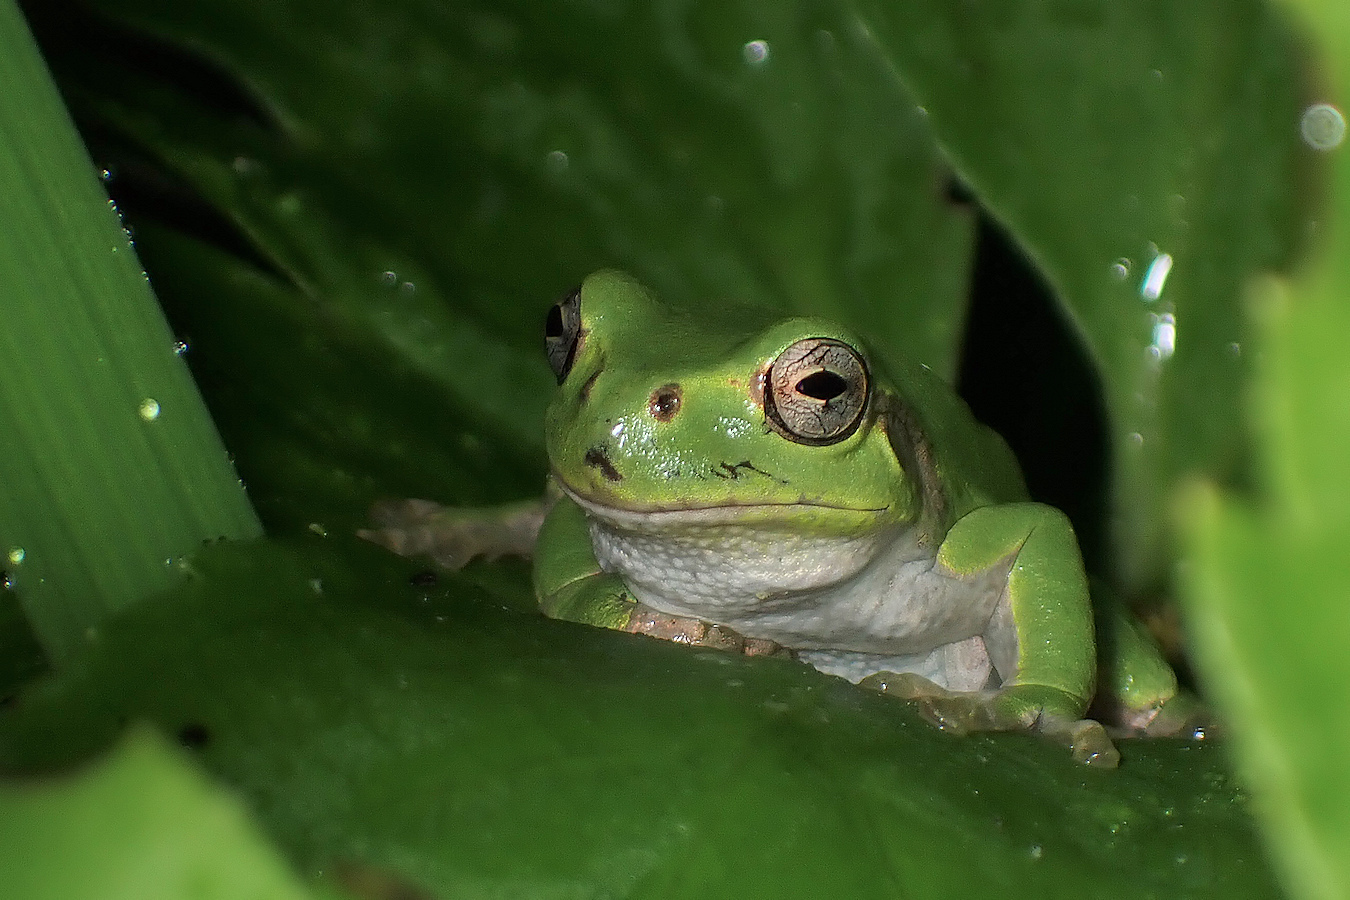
x=851, y=604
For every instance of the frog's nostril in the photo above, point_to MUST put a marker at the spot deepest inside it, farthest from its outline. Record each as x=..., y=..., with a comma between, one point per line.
x=597, y=458
x=665, y=402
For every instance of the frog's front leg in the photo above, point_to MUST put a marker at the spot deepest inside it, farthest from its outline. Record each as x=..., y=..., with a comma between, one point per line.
x=571, y=585
x=1040, y=638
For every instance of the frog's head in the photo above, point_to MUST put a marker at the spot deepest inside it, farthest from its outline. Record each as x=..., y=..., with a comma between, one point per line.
x=716, y=419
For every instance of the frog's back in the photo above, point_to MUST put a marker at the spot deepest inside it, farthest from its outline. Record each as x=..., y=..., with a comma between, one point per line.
x=960, y=463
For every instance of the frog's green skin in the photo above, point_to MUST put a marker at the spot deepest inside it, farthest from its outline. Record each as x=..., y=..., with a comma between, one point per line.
x=904, y=544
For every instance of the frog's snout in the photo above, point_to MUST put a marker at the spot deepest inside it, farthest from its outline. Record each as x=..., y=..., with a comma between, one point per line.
x=665, y=402
x=597, y=458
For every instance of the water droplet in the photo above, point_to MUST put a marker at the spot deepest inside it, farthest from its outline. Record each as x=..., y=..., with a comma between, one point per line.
x=756, y=53
x=316, y=585
x=317, y=528
x=1156, y=277
x=557, y=161
x=1165, y=336
x=1135, y=438
x=149, y=409
x=1322, y=127
x=1037, y=851
x=16, y=555
x=180, y=348
x=1120, y=269
x=407, y=289
x=244, y=166
x=6, y=581
x=105, y=175
x=825, y=40
x=389, y=278
x=1235, y=348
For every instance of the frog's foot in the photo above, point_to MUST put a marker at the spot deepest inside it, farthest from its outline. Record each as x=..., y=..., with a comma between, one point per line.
x=1044, y=710
x=1181, y=715
x=454, y=535
x=698, y=633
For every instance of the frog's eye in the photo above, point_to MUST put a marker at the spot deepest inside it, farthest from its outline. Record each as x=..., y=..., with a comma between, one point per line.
x=816, y=391
x=562, y=332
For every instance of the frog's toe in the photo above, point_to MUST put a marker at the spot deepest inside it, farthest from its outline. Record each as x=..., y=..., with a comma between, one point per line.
x=966, y=713
x=1086, y=740
x=766, y=647
x=905, y=685
x=1180, y=716
x=960, y=713
x=409, y=528
x=684, y=630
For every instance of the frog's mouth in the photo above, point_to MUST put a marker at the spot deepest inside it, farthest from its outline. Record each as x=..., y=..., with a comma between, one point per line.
x=655, y=517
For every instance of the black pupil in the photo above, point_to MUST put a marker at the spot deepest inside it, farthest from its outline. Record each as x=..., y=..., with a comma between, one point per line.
x=822, y=385
x=554, y=326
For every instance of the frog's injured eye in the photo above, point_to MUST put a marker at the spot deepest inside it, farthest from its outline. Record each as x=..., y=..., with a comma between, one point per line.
x=562, y=332
x=817, y=391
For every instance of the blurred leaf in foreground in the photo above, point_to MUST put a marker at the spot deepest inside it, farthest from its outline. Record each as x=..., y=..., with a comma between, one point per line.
x=141, y=824
x=1266, y=572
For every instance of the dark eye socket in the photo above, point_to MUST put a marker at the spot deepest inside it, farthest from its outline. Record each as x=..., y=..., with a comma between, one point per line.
x=562, y=333
x=822, y=386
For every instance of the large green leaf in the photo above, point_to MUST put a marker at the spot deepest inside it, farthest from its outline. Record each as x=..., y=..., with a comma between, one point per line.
x=377, y=722
x=487, y=157
x=1146, y=155
x=431, y=180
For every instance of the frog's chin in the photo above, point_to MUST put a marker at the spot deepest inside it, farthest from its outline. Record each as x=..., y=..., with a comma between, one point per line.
x=663, y=518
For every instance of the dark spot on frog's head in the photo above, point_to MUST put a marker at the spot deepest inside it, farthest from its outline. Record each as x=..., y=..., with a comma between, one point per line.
x=423, y=579
x=596, y=458
x=664, y=402
x=194, y=736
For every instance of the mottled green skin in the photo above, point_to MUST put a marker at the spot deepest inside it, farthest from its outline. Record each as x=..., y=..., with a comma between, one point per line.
x=918, y=457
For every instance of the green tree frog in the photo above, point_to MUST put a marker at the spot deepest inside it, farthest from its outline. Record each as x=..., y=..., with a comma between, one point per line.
x=762, y=487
